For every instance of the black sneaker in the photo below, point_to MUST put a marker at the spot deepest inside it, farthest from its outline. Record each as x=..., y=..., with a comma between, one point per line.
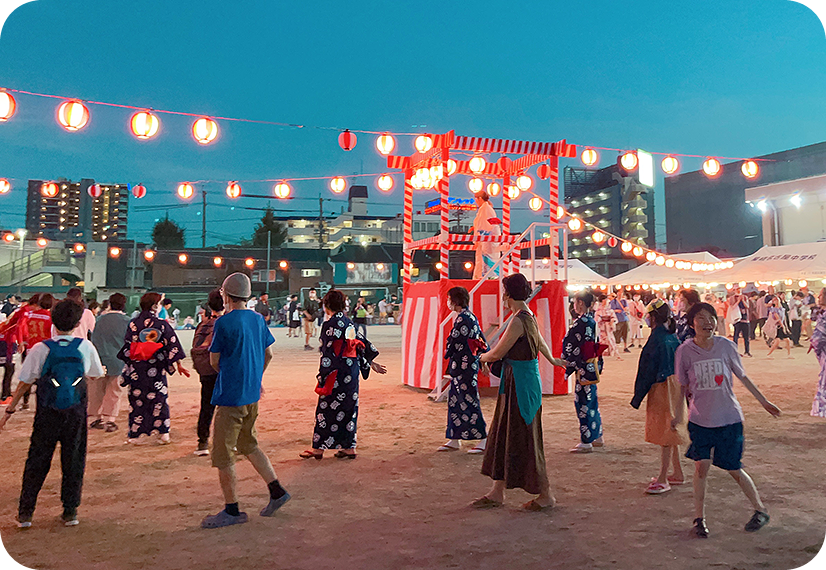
x=700, y=529
x=625, y=350
x=24, y=521
x=69, y=517
x=757, y=521
x=203, y=449
x=97, y=424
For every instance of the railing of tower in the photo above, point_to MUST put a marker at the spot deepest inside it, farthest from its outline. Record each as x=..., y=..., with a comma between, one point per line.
x=501, y=264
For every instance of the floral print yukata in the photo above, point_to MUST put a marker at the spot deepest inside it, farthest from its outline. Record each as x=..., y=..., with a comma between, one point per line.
x=336, y=415
x=464, y=414
x=146, y=379
x=587, y=407
x=819, y=347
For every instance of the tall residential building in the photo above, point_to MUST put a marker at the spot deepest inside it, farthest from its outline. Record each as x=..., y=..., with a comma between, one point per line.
x=613, y=201
x=75, y=215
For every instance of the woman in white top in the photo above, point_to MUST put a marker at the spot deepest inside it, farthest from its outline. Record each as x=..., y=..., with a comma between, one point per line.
x=606, y=320
x=485, y=224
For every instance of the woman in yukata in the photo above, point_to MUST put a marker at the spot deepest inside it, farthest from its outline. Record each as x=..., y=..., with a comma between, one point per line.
x=151, y=351
x=464, y=344
x=345, y=354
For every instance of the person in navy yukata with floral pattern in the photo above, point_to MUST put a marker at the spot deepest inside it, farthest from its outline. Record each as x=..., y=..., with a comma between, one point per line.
x=345, y=354
x=577, y=349
x=464, y=344
x=151, y=351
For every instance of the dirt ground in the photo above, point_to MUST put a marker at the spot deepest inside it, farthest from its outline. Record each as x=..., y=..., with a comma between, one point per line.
x=401, y=505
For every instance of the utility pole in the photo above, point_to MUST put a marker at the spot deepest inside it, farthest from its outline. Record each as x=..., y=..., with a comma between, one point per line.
x=203, y=219
x=269, y=248
x=320, y=222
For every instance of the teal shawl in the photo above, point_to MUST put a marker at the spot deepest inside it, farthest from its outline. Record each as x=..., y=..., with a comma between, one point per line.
x=528, y=387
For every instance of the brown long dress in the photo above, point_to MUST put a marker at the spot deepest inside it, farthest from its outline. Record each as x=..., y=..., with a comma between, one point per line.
x=515, y=452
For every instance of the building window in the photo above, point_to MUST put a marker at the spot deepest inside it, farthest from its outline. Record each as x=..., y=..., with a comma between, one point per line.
x=311, y=272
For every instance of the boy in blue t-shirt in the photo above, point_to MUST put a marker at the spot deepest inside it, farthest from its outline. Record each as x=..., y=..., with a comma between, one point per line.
x=240, y=352
x=61, y=412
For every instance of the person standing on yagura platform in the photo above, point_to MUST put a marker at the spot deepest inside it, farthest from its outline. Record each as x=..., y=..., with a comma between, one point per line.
x=485, y=224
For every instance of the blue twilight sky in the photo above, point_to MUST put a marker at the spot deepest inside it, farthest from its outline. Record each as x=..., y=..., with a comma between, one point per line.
x=727, y=78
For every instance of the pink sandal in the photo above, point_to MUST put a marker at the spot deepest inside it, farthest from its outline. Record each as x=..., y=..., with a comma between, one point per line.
x=656, y=488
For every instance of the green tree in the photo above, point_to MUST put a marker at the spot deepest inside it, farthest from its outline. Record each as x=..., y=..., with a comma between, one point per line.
x=167, y=234
x=269, y=224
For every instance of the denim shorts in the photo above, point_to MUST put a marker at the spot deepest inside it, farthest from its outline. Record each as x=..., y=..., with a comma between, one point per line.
x=723, y=445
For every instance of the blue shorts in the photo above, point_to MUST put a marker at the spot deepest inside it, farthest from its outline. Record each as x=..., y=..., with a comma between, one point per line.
x=726, y=441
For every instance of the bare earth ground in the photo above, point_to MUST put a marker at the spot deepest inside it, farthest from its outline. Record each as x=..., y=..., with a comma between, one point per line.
x=400, y=505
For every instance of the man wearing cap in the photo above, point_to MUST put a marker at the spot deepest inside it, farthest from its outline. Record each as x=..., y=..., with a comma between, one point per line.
x=240, y=352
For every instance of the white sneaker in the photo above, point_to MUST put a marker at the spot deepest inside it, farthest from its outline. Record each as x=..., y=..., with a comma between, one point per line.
x=163, y=439
x=582, y=448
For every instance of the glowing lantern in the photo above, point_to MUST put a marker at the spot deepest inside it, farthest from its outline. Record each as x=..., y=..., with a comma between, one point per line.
x=416, y=182
x=423, y=143
x=803, y=283
x=281, y=190
x=750, y=169
x=504, y=163
x=7, y=106
x=49, y=189
x=535, y=204
x=590, y=157
x=338, y=184
x=217, y=261
x=185, y=190
x=742, y=283
x=425, y=178
x=669, y=263
x=475, y=185
x=660, y=260
x=233, y=190
x=352, y=265
x=385, y=182
x=494, y=188
x=543, y=171
x=42, y=242
x=5, y=186
x=385, y=143
x=183, y=259
x=437, y=172
x=712, y=167
x=149, y=255
x=650, y=256
x=95, y=191
x=79, y=248
x=204, y=130
x=477, y=164
x=114, y=252
x=575, y=224
x=637, y=287
x=637, y=251
x=282, y=264
x=612, y=241
x=144, y=125
x=626, y=246
x=670, y=164
x=788, y=282
x=598, y=237
x=560, y=212
x=72, y=115
x=629, y=161
x=139, y=191
x=347, y=140
x=249, y=262
x=468, y=265
x=8, y=237
x=524, y=182
x=513, y=192
x=451, y=167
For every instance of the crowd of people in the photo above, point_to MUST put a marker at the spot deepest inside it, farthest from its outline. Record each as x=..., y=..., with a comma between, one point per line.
x=78, y=358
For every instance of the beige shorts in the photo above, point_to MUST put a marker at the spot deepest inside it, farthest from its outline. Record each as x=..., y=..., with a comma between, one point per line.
x=308, y=326
x=234, y=427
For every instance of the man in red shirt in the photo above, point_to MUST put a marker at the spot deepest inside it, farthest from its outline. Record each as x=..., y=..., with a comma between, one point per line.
x=35, y=326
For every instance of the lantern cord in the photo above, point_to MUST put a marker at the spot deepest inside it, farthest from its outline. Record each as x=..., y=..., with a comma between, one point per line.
x=185, y=114
x=680, y=154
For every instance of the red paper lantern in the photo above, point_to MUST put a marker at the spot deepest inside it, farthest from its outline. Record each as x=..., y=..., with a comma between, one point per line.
x=347, y=140
x=5, y=186
x=204, y=130
x=612, y=241
x=543, y=171
x=49, y=189
x=233, y=190
x=504, y=163
x=139, y=191
x=72, y=115
x=95, y=191
x=7, y=106
x=144, y=125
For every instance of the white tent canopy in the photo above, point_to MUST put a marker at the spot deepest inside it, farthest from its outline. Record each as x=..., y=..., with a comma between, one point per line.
x=578, y=272
x=652, y=274
x=777, y=263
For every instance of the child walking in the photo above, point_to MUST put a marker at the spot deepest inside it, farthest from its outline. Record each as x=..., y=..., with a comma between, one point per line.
x=705, y=366
x=60, y=367
x=656, y=381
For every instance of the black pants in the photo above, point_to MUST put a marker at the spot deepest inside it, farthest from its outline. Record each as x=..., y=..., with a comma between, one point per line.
x=23, y=356
x=359, y=323
x=50, y=427
x=207, y=409
x=797, y=326
x=742, y=328
x=8, y=372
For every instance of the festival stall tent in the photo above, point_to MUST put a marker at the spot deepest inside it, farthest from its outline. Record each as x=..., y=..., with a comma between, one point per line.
x=652, y=274
x=797, y=262
x=579, y=274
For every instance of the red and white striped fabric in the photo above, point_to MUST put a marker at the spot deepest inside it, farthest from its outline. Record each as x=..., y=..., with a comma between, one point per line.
x=478, y=144
x=425, y=308
x=554, y=204
x=444, y=192
x=408, y=226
